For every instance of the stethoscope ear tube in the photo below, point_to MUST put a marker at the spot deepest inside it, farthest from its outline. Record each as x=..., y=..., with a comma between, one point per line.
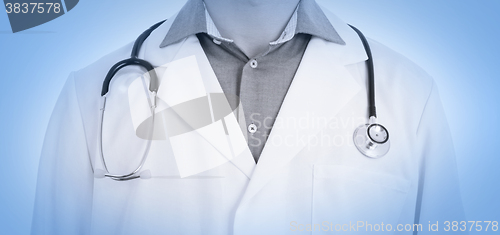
x=133, y=174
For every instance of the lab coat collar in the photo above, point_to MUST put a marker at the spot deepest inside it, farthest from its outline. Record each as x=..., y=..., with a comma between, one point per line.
x=186, y=59
x=322, y=86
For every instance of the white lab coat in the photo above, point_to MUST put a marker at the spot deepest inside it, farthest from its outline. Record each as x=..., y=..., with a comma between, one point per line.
x=309, y=172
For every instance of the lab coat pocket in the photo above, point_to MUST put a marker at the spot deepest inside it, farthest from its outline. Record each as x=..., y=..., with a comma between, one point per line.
x=355, y=200
x=160, y=205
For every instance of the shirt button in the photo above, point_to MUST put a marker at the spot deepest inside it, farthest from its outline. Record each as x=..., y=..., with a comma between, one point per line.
x=253, y=63
x=252, y=128
x=217, y=41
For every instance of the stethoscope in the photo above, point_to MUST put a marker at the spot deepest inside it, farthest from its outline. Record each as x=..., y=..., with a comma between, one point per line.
x=371, y=139
x=153, y=88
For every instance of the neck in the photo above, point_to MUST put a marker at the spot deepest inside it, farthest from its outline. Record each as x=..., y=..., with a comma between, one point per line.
x=252, y=24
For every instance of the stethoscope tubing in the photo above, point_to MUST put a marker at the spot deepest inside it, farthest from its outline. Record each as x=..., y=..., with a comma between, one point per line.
x=153, y=87
x=372, y=110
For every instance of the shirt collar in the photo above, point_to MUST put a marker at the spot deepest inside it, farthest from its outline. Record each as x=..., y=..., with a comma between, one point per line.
x=212, y=29
x=308, y=18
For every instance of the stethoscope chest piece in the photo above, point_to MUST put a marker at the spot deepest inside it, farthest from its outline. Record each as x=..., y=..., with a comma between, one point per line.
x=372, y=139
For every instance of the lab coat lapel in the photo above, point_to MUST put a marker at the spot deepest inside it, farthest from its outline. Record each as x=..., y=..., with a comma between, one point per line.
x=322, y=86
x=183, y=69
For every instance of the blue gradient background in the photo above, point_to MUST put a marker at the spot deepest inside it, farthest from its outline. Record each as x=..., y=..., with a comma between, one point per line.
x=454, y=41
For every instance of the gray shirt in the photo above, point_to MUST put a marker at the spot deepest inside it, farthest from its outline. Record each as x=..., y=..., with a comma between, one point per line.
x=259, y=84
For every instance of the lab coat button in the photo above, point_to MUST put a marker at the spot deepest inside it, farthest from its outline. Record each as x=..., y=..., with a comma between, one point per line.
x=253, y=63
x=252, y=128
